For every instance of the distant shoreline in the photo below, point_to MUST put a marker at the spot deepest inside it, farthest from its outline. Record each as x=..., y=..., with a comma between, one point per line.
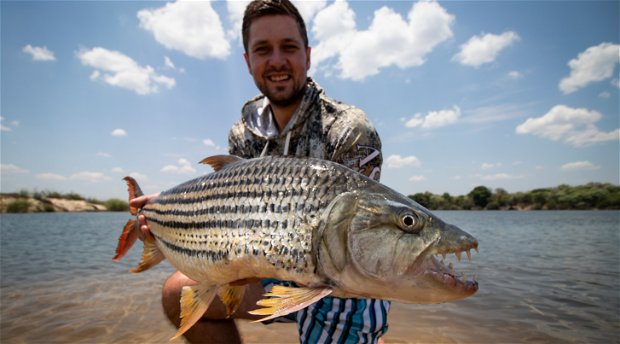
x=19, y=204
x=25, y=202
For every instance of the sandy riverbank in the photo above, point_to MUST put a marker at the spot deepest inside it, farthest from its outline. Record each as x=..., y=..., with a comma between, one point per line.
x=49, y=204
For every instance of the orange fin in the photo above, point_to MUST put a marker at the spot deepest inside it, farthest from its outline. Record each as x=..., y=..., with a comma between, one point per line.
x=195, y=301
x=231, y=296
x=127, y=239
x=151, y=256
x=134, y=191
x=285, y=300
x=218, y=162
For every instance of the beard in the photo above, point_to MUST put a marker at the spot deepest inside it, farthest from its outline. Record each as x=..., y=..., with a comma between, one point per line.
x=283, y=101
x=282, y=96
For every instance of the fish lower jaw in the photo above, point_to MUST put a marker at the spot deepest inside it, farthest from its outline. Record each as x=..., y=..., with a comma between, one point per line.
x=449, y=277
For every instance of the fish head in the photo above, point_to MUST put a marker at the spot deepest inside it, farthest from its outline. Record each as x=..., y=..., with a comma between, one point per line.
x=380, y=244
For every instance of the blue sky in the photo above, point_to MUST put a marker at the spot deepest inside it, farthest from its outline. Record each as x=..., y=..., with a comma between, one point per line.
x=517, y=95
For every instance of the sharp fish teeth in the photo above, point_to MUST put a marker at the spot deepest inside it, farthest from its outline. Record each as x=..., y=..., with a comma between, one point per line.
x=451, y=267
x=458, y=256
x=468, y=255
x=443, y=255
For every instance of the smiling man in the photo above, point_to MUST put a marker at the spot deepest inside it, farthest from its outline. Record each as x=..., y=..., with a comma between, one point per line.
x=292, y=116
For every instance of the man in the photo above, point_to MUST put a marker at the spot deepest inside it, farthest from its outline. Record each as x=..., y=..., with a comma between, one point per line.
x=292, y=117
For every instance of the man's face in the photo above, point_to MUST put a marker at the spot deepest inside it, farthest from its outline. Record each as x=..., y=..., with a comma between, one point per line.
x=277, y=59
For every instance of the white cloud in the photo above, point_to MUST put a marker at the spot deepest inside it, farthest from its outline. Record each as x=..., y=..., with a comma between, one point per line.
x=397, y=161
x=495, y=113
x=434, y=119
x=209, y=143
x=575, y=126
x=499, y=176
x=488, y=166
x=118, y=132
x=138, y=176
x=119, y=70
x=183, y=167
x=515, y=75
x=51, y=177
x=390, y=40
x=118, y=170
x=579, y=165
x=236, y=8
x=594, y=64
x=104, y=155
x=2, y=127
x=192, y=27
x=10, y=168
x=88, y=176
x=39, y=53
x=417, y=178
x=168, y=62
x=482, y=49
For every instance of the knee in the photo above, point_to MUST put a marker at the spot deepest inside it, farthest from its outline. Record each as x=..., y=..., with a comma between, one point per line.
x=171, y=295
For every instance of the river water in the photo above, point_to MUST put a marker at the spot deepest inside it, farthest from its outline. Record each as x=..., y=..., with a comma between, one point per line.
x=545, y=277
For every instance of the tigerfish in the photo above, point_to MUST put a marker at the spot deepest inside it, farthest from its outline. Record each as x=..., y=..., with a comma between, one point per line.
x=329, y=229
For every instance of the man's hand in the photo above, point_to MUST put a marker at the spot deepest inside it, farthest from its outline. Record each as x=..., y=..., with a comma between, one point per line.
x=138, y=203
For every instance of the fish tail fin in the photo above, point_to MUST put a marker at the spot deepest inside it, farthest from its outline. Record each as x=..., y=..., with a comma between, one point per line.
x=134, y=191
x=127, y=239
x=151, y=256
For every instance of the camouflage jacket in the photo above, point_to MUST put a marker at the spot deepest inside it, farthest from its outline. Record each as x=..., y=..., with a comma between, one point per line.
x=320, y=128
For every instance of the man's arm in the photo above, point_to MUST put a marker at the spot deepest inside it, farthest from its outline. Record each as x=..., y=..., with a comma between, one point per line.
x=354, y=142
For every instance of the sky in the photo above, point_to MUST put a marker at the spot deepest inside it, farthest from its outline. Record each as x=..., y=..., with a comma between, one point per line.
x=514, y=95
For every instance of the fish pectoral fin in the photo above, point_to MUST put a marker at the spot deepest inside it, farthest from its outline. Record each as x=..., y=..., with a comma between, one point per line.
x=151, y=256
x=127, y=239
x=284, y=300
x=195, y=301
x=231, y=296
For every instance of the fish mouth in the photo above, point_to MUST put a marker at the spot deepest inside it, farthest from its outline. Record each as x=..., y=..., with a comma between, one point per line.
x=440, y=267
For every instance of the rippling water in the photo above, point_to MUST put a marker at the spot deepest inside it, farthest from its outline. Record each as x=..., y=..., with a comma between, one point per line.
x=544, y=277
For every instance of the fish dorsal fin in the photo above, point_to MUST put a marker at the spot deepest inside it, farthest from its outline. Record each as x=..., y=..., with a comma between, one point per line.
x=134, y=191
x=283, y=300
x=219, y=162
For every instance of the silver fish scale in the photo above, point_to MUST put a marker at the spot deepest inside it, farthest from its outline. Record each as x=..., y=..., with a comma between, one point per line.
x=253, y=217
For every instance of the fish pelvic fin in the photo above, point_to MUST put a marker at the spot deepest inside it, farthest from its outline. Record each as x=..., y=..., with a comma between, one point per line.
x=283, y=300
x=127, y=239
x=195, y=301
x=231, y=297
x=134, y=191
x=219, y=162
x=151, y=255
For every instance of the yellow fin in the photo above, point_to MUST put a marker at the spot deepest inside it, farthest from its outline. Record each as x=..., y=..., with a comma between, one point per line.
x=194, y=303
x=151, y=256
x=285, y=300
x=231, y=296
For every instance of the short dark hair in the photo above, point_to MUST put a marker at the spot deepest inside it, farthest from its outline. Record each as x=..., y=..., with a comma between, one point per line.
x=261, y=8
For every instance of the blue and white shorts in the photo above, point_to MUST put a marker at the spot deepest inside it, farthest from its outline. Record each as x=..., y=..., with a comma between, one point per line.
x=336, y=320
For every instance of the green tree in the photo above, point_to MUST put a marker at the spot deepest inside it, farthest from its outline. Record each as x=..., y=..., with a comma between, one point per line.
x=480, y=196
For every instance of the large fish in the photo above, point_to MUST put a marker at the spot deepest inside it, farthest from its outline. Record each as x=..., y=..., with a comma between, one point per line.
x=331, y=230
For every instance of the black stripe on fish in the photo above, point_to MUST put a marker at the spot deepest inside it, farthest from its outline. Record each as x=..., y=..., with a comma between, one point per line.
x=222, y=224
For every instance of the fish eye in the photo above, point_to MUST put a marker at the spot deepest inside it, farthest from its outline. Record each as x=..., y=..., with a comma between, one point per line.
x=410, y=222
